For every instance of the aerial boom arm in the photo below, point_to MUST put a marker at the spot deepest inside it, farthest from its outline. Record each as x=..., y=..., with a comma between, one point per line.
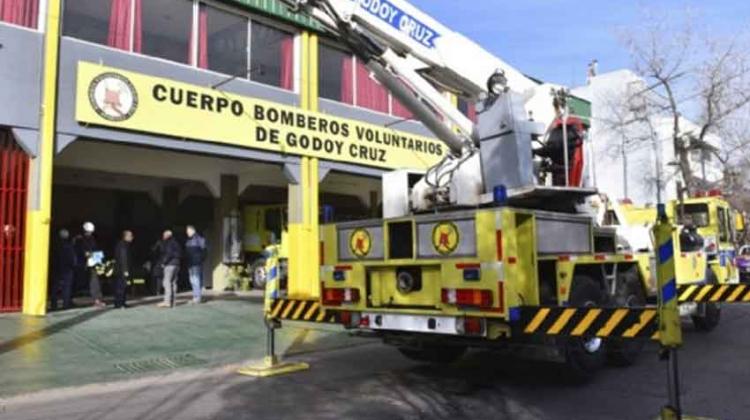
x=402, y=45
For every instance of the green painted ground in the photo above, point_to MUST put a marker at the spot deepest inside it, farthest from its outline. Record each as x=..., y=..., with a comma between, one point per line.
x=85, y=346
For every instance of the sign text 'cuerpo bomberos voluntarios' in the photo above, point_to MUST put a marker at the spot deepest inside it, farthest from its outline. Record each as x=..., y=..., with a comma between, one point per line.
x=127, y=100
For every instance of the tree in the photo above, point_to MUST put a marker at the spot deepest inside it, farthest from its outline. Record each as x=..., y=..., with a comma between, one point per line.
x=689, y=75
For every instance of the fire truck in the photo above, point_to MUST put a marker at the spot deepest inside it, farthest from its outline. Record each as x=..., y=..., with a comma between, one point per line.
x=704, y=234
x=496, y=226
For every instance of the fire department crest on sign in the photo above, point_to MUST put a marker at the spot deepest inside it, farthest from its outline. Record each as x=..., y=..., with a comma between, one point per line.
x=113, y=96
x=360, y=243
x=445, y=238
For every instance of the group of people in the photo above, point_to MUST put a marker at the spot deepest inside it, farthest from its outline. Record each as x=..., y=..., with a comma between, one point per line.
x=169, y=258
x=82, y=254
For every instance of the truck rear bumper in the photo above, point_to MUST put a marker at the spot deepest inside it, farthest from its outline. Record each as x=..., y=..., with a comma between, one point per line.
x=427, y=324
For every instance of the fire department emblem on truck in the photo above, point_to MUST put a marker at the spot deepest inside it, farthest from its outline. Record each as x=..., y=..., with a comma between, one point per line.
x=113, y=96
x=445, y=238
x=360, y=243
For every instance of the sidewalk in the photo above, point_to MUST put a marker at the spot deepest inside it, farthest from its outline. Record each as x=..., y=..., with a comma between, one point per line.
x=83, y=346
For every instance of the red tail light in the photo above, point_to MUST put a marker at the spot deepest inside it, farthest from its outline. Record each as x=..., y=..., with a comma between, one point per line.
x=338, y=296
x=467, y=297
x=499, y=244
x=473, y=326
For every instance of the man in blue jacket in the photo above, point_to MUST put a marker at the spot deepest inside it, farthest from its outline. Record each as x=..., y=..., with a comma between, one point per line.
x=195, y=255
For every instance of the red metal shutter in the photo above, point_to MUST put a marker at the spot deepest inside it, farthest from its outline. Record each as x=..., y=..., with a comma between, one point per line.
x=14, y=172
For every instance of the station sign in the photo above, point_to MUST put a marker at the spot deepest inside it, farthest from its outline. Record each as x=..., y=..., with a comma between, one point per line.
x=112, y=97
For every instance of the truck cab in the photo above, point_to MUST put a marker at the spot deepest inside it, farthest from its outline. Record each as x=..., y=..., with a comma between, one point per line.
x=716, y=222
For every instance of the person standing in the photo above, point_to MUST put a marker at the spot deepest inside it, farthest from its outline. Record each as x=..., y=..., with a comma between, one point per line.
x=123, y=264
x=156, y=267
x=170, y=259
x=63, y=267
x=195, y=254
x=90, y=257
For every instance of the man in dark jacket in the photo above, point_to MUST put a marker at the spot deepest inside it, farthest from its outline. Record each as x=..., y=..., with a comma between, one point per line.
x=195, y=254
x=123, y=264
x=171, y=254
x=64, y=262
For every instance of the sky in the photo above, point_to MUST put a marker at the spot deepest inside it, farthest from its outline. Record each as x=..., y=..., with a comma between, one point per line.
x=554, y=40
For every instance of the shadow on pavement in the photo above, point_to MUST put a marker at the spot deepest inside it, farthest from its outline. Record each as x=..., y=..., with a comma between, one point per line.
x=44, y=332
x=480, y=386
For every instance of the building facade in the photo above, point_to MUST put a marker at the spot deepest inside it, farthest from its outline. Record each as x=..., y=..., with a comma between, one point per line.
x=146, y=115
x=635, y=160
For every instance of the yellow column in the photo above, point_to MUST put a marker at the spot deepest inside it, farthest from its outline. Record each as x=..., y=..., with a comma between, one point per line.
x=304, y=228
x=36, y=268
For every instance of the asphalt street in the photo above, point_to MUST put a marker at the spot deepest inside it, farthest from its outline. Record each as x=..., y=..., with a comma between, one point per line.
x=372, y=381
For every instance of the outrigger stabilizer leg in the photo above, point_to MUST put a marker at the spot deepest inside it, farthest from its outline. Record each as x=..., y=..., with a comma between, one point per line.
x=271, y=365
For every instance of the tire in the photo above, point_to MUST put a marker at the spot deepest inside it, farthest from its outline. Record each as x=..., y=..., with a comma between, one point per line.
x=434, y=354
x=710, y=312
x=629, y=293
x=584, y=356
x=258, y=272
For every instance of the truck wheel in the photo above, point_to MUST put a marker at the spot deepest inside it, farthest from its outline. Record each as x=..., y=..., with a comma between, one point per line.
x=585, y=355
x=629, y=293
x=439, y=355
x=710, y=313
x=258, y=272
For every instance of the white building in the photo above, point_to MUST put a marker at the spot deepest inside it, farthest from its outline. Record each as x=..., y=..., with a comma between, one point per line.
x=631, y=160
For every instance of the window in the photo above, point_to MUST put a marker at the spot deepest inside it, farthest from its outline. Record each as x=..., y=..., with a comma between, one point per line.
x=20, y=12
x=167, y=27
x=723, y=225
x=222, y=44
x=469, y=109
x=695, y=215
x=370, y=93
x=89, y=20
x=344, y=78
x=271, y=56
x=336, y=75
x=273, y=222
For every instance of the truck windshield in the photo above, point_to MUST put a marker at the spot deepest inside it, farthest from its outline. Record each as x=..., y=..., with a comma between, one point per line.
x=695, y=215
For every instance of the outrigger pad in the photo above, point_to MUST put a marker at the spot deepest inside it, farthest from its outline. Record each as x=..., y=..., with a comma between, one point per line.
x=272, y=367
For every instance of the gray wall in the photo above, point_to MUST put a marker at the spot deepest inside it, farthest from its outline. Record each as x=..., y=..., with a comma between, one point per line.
x=20, y=76
x=20, y=83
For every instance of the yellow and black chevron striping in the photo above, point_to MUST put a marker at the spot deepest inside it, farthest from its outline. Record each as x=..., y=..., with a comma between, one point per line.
x=301, y=310
x=726, y=293
x=590, y=322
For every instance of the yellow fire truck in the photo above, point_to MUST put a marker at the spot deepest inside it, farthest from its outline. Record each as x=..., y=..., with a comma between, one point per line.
x=709, y=260
x=434, y=284
x=718, y=223
x=491, y=229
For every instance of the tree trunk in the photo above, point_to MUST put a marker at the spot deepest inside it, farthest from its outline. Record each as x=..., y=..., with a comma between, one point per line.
x=683, y=160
